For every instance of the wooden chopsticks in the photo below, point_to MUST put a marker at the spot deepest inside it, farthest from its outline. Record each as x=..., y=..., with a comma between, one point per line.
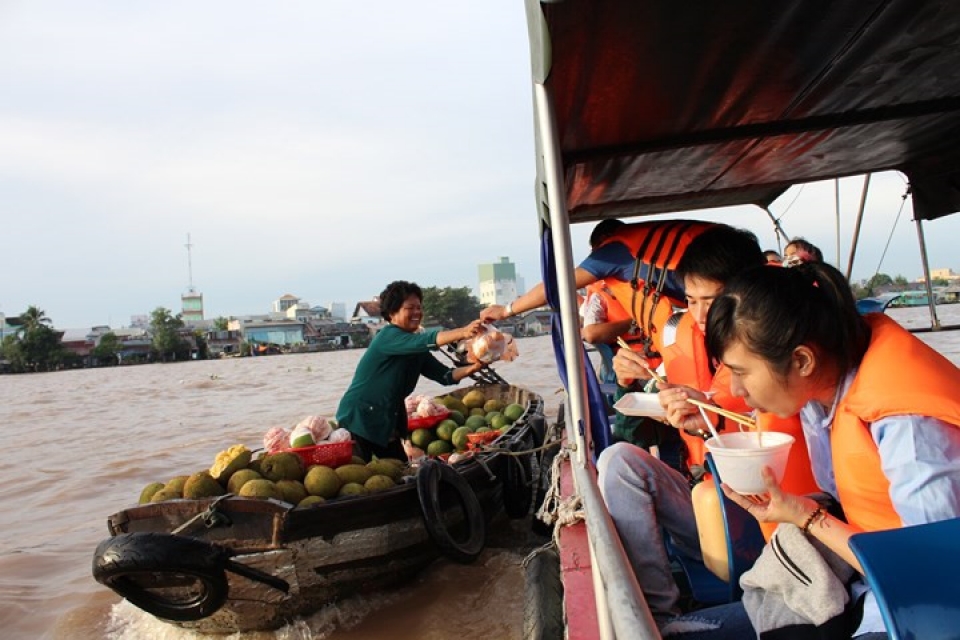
x=733, y=415
x=656, y=376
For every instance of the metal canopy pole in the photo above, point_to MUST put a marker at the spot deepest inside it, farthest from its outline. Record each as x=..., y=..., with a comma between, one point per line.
x=856, y=229
x=931, y=300
x=776, y=226
x=836, y=206
x=621, y=604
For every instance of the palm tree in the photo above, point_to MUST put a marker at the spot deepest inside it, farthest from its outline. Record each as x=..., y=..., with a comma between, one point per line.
x=33, y=318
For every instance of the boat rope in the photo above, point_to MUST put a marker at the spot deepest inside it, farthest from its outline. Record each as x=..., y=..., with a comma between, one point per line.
x=211, y=517
x=903, y=201
x=556, y=511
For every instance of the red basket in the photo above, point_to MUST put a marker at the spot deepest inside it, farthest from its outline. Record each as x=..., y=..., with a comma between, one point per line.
x=476, y=440
x=332, y=454
x=426, y=423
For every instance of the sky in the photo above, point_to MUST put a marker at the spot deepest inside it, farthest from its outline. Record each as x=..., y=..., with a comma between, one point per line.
x=320, y=149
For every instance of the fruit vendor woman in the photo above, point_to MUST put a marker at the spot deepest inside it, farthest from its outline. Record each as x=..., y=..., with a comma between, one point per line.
x=373, y=408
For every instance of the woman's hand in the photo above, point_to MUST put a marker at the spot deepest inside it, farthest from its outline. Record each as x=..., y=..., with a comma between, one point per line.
x=471, y=329
x=775, y=505
x=680, y=413
x=630, y=366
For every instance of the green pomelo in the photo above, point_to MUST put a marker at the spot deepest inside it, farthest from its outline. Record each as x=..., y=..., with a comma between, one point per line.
x=292, y=491
x=483, y=430
x=493, y=404
x=384, y=468
x=201, y=485
x=148, y=492
x=261, y=488
x=499, y=421
x=309, y=501
x=445, y=429
x=458, y=417
x=165, y=494
x=439, y=447
x=238, y=479
x=475, y=422
x=282, y=466
x=422, y=437
x=456, y=405
x=474, y=398
x=476, y=411
x=175, y=484
x=305, y=440
x=459, y=438
x=379, y=483
x=322, y=481
x=354, y=473
x=513, y=412
x=357, y=460
x=491, y=415
x=352, y=489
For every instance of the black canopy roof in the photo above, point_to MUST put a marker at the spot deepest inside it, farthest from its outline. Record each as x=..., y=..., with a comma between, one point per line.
x=668, y=106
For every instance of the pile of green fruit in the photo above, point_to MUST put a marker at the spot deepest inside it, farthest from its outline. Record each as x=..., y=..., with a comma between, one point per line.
x=474, y=413
x=280, y=476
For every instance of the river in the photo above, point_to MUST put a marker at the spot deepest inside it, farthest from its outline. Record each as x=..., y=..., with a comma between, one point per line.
x=81, y=445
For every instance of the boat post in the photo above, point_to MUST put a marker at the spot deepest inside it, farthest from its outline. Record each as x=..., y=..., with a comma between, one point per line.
x=622, y=610
x=856, y=229
x=931, y=299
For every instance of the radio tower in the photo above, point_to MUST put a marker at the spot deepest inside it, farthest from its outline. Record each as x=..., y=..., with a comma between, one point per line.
x=189, y=246
x=191, y=302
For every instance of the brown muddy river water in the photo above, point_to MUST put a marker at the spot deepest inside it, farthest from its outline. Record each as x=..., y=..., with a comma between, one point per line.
x=79, y=445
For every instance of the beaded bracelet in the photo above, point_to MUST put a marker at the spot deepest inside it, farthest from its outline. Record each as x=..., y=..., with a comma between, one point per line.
x=817, y=513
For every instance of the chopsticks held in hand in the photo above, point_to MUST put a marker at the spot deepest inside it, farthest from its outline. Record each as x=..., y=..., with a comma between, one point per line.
x=746, y=421
x=656, y=376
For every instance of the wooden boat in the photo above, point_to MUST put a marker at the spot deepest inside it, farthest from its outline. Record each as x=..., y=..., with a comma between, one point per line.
x=641, y=110
x=231, y=564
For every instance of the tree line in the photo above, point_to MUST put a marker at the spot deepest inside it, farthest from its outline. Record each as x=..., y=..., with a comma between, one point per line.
x=34, y=345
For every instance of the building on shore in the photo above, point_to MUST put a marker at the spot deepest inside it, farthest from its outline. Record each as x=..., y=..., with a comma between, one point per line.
x=498, y=282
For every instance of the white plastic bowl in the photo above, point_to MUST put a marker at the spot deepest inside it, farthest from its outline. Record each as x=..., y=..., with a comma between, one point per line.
x=739, y=458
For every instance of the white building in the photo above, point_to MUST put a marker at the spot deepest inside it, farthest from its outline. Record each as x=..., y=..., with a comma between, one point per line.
x=498, y=282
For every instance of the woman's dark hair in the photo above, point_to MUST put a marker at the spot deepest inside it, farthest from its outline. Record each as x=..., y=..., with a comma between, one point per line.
x=772, y=311
x=719, y=253
x=392, y=298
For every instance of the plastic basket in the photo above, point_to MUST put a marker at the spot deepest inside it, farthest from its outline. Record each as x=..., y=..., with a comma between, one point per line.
x=332, y=454
x=426, y=423
x=476, y=440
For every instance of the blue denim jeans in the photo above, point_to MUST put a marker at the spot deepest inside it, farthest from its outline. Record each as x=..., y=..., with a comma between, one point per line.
x=645, y=497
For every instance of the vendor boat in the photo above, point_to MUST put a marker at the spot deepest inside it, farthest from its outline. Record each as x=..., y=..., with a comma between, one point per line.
x=641, y=109
x=229, y=564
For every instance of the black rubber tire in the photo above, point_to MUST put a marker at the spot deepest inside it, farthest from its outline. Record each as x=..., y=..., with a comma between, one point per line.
x=543, y=598
x=429, y=479
x=517, y=488
x=119, y=559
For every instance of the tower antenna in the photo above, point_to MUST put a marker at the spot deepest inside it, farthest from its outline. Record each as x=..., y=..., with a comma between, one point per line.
x=189, y=246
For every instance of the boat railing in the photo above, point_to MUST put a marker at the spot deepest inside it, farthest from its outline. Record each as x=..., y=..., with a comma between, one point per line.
x=622, y=610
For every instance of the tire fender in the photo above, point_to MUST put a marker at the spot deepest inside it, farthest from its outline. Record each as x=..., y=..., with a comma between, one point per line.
x=429, y=479
x=120, y=560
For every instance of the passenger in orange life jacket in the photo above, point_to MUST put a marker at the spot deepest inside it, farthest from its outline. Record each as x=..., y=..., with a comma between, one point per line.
x=879, y=407
x=636, y=260
x=708, y=263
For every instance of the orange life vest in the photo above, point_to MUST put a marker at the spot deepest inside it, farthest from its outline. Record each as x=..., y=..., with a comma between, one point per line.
x=687, y=363
x=657, y=246
x=899, y=375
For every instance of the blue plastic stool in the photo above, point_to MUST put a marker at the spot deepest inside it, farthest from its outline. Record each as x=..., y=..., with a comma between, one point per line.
x=913, y=572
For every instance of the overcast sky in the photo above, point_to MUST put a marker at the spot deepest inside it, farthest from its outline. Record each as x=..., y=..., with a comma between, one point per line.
x=320, y=149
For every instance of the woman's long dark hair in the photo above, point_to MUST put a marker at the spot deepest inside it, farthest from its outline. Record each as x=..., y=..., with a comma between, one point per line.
x=392, y=298
x=772, y=310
